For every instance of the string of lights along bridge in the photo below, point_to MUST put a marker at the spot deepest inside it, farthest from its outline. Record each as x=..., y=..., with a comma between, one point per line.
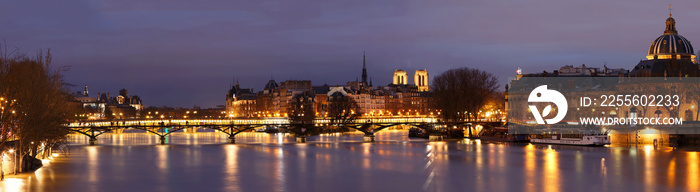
x=250, y=121
x=232, y=127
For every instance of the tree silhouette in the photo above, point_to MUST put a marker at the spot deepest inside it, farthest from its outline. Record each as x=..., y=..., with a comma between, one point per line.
x=37, y=103
x=343, y=109
x=301, y=114
x=461, y=93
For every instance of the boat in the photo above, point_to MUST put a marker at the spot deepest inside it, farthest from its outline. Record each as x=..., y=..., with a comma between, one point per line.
x=417, y=132
x=500, y=134
x=583, y=139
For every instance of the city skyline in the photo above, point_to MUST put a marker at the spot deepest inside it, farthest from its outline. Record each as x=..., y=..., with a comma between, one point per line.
x=184, y=54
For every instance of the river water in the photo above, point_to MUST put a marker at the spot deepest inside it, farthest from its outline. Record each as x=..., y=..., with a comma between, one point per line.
x=342, y=162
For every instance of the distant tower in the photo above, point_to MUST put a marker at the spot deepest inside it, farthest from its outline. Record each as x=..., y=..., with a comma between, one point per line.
x=85, y=92
x=421, y=80
x=400, y=77
x=364, y=69
x=237, y=85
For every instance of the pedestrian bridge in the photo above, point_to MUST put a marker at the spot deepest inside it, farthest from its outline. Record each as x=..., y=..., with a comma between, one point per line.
x=232, y=127
x=256, y=121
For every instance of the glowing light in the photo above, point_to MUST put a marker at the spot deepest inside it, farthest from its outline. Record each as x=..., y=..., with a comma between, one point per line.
x=14, y=184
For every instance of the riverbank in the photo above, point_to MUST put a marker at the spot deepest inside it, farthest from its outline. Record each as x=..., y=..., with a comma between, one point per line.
x=10, y=177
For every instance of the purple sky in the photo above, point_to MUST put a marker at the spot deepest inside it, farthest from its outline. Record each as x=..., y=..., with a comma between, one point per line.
x=185, y=53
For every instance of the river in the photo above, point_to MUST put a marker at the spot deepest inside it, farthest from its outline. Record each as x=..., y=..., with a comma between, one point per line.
x=342, y=162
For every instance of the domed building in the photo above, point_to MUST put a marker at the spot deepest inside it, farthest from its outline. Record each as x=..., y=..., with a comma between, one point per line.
x=670, y=55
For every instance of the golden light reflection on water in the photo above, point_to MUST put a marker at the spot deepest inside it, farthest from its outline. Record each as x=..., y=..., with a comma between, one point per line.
x=280, y=169
x=693, y=161
x=551, y=181
x=93, y=166
x=163, y=164
x=671, y=176
x=162, y=158
x=579, y=162
x=649, y=169
x=501, y=161
x=231, y=178
x=366, y=154
x=530, y=168
x=603, y=169
x=92, y=163
x=429, y=167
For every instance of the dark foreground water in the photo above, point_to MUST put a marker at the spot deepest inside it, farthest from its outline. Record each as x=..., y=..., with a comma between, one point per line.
x=266, y=162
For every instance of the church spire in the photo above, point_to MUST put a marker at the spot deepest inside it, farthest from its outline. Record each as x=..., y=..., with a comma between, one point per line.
x=364, y=69
x=237, y=86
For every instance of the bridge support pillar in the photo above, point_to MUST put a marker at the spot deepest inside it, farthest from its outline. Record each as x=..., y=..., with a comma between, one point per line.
x=231, y=139
x=369, y=138
x=93, y=140
x=301, y=139
x=162, y=140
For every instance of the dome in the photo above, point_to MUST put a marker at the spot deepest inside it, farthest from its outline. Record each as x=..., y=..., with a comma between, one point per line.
x=670, y=44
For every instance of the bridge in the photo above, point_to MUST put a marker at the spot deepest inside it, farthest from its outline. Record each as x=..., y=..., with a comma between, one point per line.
x=232, y=127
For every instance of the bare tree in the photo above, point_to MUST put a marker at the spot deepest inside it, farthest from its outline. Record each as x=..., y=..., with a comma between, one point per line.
x=301, y=113
x=37, y=103
x=342, y=109
x=461, y=93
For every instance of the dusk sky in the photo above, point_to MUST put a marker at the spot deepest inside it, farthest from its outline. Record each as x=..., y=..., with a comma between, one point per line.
x=184, y=53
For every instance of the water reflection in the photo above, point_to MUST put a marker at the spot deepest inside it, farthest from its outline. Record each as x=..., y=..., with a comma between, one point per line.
x=479, y=166
x=530, y=168
x=671, y=176
x=279, y=177
x=551, y=178
x=649, y=173
x=162, y=163
x=693, y=160
x=231, y=169
x=342, y=162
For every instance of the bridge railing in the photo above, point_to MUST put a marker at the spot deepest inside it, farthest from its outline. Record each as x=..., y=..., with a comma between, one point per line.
x=261, y=121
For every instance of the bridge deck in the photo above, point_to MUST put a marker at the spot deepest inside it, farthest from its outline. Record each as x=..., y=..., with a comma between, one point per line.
x=261, y=121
